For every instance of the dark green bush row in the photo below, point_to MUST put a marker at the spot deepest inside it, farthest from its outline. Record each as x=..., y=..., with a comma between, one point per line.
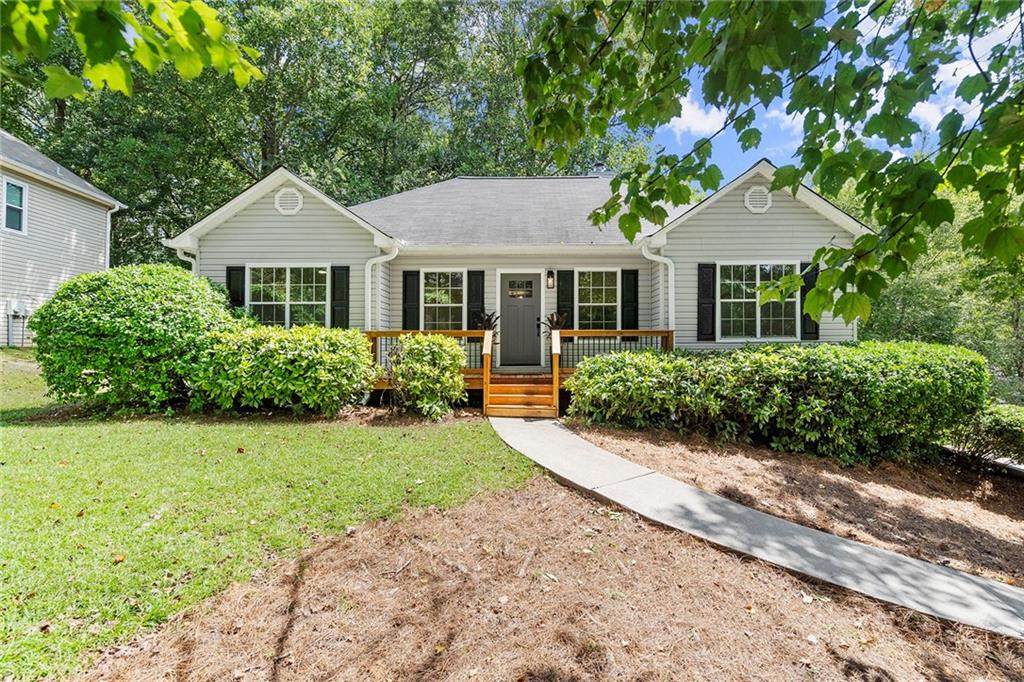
x=426, y=373
x=129, y=336
x=303, y=368
x=856, y=402
x=996, y=432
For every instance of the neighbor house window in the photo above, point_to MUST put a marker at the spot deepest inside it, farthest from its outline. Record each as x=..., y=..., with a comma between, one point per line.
x=14, y=206
x=289, y=296
x=597, y=299
x=741, y=316
x=444, y=299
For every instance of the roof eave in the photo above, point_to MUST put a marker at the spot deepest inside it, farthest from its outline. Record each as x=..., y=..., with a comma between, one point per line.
x=97, y=197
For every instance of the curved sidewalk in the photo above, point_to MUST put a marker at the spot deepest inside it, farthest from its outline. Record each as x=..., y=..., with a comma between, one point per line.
x=936, y=590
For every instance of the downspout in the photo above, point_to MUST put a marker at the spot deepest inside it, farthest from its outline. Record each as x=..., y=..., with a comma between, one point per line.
x=671, y=286
x=368, y=278
x=188, y=259
x=106, y=256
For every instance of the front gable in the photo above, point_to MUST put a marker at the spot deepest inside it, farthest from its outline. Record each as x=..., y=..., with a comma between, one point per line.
x=746, y=201
x=294, y=202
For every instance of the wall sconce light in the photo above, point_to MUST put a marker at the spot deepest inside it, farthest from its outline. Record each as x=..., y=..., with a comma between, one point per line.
x=551, y=279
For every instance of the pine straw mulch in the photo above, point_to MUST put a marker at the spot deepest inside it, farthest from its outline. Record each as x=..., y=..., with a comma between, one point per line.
x=541, y=583
x=948, y=513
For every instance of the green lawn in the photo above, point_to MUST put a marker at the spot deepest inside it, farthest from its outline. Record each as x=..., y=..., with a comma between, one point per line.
x=108, y=526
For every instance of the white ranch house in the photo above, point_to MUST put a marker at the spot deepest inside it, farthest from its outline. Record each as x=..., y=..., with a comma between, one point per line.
x=437, y=258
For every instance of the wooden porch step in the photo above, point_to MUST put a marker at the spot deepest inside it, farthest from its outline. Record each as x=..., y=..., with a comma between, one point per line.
x=521, y=389
x=502, y=379
x=520, y=411
x=538, y=400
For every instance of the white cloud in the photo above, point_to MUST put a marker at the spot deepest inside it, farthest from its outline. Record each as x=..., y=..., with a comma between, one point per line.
x=928, y=114
x=695, y=119
x=788, y=123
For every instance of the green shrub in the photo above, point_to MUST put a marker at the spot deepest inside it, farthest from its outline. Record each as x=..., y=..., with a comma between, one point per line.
x=307, y=368
x=857, y=402
x=127, y=336
x=426, y=373
x=996, y=432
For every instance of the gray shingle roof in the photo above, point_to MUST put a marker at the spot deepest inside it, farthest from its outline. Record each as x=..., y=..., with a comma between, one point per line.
x=26, y=155
x=499, y=211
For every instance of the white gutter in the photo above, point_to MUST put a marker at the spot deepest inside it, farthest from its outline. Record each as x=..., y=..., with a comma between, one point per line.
x=368, y=278
x=671, y=267
x=188, y=259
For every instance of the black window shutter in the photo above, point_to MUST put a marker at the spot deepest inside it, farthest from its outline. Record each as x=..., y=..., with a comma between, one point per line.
x=629, y=312
x=235, y=280
x=808, y=327
x=475, y=298
x=410, y=299
x=340, y=296
x=706, y=301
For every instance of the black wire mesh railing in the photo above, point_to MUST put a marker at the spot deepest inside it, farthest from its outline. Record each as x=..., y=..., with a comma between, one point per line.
x=576, y=348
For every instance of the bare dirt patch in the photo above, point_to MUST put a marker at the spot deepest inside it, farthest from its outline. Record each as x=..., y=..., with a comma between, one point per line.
x=541, y=583
x=952, y=516
x=368, y=415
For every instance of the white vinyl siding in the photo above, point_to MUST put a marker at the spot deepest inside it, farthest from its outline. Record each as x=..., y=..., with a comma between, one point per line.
x=508, y=264
x=726, y=232
x=258, y=234
x=63, y=235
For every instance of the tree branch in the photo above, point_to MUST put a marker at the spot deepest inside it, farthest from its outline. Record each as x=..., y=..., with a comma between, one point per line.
x=970, y=41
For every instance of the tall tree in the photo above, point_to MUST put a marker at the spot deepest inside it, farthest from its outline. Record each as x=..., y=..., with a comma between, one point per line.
x=853, y=70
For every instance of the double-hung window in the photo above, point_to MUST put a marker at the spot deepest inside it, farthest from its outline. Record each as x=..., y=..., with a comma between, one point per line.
x=739, y=313
x=444, y=299
x=288, y=296
x=597, y=299
x=14, y=206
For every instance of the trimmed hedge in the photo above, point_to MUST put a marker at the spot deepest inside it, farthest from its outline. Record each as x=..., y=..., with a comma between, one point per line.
x=856, y=403
x=996, y=432
x=128, y=336
x=303, y=368
x=426, y=373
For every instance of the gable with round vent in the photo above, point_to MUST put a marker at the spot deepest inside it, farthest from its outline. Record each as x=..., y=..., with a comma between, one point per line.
x=288, y=201
x=757, y=199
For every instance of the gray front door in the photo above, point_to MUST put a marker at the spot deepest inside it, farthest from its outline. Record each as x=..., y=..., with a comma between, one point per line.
x=520, y=319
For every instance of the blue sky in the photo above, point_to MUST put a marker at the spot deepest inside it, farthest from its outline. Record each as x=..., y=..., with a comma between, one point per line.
x=781, y=133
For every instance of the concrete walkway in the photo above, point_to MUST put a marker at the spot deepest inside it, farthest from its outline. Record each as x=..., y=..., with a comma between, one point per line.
x=897, y=579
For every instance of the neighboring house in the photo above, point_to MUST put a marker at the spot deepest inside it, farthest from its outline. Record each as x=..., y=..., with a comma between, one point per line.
x=54, y=225
x=438, y=257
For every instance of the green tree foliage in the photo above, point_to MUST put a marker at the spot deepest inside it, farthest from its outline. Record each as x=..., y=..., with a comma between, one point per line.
x=853, y=69
x=363, y=99
x=114, y=38
x=952, y=294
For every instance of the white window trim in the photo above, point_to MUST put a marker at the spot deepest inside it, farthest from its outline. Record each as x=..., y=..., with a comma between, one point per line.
x=24, y=205
x=423, y=294
x=576, y=294
x=287, y=289
x=499, y=295
x=757, y=263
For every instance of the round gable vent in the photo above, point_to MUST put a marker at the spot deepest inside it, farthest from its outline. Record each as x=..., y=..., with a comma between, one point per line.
x=288, y=201
x=757, y=199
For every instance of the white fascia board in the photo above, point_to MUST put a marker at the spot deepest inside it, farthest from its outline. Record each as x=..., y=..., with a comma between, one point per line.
x=60, y=184
x=492, y=249
x=189, y=239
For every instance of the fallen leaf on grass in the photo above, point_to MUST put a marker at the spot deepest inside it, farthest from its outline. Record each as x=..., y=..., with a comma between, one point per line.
x=55, y=505
x=118, y=558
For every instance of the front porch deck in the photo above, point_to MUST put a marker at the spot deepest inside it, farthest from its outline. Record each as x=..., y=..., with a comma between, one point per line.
x=526, y=391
